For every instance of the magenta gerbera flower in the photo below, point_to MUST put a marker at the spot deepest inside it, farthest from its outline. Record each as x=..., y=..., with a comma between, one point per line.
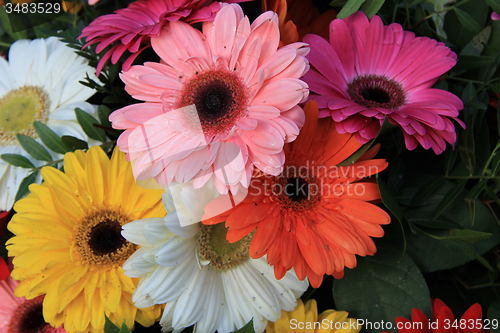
x=369, y=71
x=130, y=28
x=221, y=102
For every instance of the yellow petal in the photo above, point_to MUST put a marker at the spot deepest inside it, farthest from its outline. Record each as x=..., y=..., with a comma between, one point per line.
x=70, y=278
x=90, y=287
x=56, y=178
x=96, y=167
x=128, y=284
x=97, y=312
x=111, y=293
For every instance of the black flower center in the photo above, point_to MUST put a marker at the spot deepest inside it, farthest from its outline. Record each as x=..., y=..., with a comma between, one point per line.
x=220, y=99
x=28, y=318
x=106, y=238
x=33, y=320
x=373, y=91
x=99, y=240
x=213, y=102
x=297, y=189
x=376, y=95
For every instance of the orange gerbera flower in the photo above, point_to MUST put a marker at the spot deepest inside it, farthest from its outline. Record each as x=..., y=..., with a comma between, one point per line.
x=298, y=18
x=316, y=216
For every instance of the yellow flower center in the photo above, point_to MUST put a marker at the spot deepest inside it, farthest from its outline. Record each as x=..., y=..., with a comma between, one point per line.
x=99, y=240
x=222, y=255
x=19, y=108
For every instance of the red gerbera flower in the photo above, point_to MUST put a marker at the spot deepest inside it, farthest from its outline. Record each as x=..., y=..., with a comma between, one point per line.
x=368, y=71
x=130, y=27
x=443, y=321
x=316, y=216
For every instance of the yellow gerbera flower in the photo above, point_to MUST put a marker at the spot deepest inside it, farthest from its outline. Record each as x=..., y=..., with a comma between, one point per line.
x=305, y=319
x=68, y=242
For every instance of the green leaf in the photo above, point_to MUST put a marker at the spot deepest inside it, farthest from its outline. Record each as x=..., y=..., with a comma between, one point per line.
x=338, y=3
x=449, y=197
x=423, y=28
x=371, y=7
x=124, y=328
x=498, y=116
x=473, y=61
x=476, y=45
x=466, y=147
x=426, y=190
x=470, y=204
x=103, y=113
x=382, y=287
x=73, y=143
x=25, y=183
x=393, y=206
x=483, y=261
x=462, y=236
x=494, y=313
x=33, y=148
x=495, y=4
x=450, y=157
x=109, y=326
x=50, y=138
x=87, y=122
x=477, y=189
x=17, y=160
x=248, y=328
x=467, y=21
x=350, y=8
x=432, y=254
x=469, y=92
x=13, y=25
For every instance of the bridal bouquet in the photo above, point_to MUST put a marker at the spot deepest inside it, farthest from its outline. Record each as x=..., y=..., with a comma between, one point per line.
x=283, y=166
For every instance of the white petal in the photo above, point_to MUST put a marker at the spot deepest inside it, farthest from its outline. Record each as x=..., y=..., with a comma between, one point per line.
x=134, y=232
x=156, y=232
x=168, y=285
x=175, y=251
x=192, y=301
x=172, y=223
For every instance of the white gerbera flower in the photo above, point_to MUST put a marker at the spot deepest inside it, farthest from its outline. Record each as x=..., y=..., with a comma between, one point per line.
x=203, y=279
x=39, y=82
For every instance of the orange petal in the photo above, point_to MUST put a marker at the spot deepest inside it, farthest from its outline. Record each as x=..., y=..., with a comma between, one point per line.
x=264, y=236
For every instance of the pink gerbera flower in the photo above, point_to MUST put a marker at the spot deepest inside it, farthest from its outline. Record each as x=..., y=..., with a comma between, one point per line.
x=221, y=102
x=131, y=27
x=369, y=71
x=19, y=315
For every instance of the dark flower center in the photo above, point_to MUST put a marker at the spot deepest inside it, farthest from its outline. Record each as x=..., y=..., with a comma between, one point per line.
x=28, y=318
x=297, y=189
x=99, y=240
x=33, y=321
x=374, y=91
x=376, y=95
x=106, y=238
x=220, y=99
x=213, y=102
